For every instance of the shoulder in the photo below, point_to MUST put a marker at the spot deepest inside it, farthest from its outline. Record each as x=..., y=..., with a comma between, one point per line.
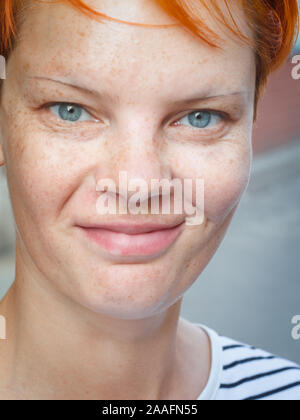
x=249, y=373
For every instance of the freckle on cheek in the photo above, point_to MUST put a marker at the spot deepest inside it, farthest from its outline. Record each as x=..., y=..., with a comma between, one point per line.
x=20, y=149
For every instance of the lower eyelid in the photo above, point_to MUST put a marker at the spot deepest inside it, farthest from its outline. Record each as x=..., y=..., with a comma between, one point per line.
x=55, y=123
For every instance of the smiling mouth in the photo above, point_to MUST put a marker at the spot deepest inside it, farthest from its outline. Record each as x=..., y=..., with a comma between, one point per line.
x=133, y=240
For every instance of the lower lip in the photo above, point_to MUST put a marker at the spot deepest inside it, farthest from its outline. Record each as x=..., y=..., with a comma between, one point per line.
x=144, y=244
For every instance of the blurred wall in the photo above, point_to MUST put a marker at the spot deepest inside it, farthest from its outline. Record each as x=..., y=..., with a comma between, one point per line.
x=278, y=120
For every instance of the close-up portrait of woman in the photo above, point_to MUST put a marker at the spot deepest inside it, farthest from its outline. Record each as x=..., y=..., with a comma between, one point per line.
x=110, y=110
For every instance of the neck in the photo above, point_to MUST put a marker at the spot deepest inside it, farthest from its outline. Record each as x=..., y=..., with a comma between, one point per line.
x=58, y=349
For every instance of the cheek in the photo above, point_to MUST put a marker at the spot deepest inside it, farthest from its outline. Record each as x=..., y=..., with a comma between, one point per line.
x=229, y=172
x=225, y=185
x=225, y=170
x=40, y=173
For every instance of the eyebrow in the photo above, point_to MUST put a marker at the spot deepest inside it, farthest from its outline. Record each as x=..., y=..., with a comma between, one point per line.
x=185, y=101
x=192, y=100
x=75, y=86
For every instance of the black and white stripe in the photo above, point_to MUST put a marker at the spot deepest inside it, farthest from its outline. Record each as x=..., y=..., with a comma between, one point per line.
x=253, y=374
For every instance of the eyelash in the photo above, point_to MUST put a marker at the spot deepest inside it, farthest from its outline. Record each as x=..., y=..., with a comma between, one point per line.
x=49, y=105
x=221, y=115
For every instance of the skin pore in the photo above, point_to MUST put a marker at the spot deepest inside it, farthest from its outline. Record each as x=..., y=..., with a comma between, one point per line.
x=79, y=323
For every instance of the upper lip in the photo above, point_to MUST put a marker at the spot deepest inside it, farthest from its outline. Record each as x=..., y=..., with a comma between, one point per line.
x=132, y=229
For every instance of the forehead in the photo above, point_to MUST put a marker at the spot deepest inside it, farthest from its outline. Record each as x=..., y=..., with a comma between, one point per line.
x=59, y=40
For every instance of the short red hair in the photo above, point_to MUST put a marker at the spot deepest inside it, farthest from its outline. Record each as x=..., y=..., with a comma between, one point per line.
x=275, y=24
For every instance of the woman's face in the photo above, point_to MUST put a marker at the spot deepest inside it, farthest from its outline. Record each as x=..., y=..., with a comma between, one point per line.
x=135, y=87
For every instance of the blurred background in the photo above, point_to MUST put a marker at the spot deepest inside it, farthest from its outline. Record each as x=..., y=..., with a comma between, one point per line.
x=250, y=291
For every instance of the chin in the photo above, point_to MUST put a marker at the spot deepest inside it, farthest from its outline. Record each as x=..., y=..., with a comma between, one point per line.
x=130, y=292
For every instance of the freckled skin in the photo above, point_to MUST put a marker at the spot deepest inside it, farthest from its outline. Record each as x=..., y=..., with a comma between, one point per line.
x=53, y=171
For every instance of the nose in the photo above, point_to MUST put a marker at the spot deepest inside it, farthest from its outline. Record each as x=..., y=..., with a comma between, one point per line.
x=139, y=153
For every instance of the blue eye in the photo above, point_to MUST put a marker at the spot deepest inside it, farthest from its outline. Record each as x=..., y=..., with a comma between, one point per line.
x=202, y=119
x=70, y=112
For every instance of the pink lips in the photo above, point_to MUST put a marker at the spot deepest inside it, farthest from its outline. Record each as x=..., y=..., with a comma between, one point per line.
x=134, y=240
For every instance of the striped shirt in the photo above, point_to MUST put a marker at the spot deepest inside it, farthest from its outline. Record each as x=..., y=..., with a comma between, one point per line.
x=241, y=372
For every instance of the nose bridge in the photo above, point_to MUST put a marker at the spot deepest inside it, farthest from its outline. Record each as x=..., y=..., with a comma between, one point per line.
x=140, y=152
